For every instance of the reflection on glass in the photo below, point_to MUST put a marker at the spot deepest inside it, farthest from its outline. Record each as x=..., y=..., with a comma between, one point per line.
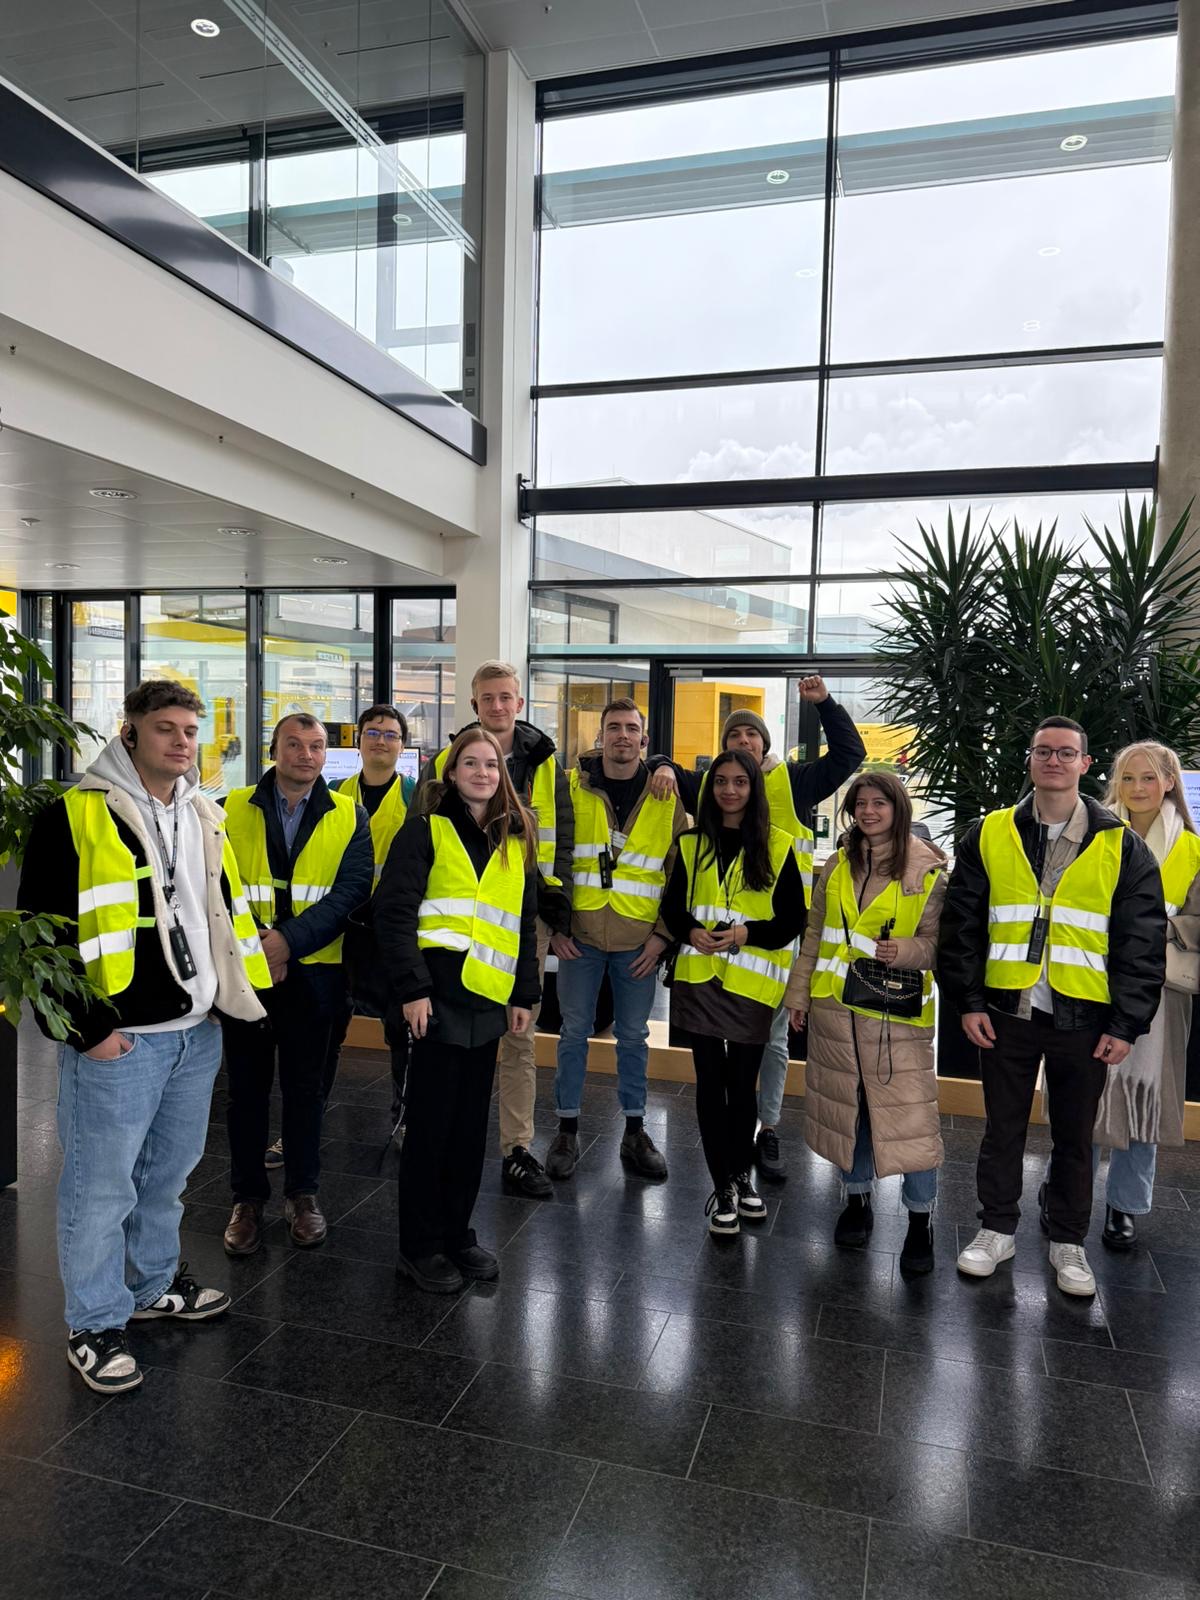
x=959, y=202
x=1012, y=416
x=218, y=194
x=888, y=750
x=679, y=436
x=757, y=540
x=423, y=633
x=318, y=656
x=567, y=704
x=199, y=640
x=687, y=614
x=848, y=615
x=691, y=233
x=97, y=672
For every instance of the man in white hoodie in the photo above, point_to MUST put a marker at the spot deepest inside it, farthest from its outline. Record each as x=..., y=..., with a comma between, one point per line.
x=138, y=858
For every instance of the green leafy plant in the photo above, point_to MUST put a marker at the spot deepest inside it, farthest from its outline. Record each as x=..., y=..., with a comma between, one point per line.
x=992, y=629
x=38, y=964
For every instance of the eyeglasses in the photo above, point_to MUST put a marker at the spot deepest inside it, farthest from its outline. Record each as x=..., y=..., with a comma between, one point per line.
x=379, y=733
x=1066, y=753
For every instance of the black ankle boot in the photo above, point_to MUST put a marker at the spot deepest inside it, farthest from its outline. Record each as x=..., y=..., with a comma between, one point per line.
x=1120, y=1232
x=917, y=1254
x=855, y=1222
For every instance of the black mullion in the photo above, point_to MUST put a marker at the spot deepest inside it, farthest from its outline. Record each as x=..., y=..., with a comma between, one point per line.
x=256, y=220
x=254, y=684
x=133, y=639
x=672, y=381
x=831, y=129
x=381, y=651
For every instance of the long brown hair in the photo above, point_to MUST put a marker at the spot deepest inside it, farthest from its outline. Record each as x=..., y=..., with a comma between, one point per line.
x=506, y=814
x=855, y=842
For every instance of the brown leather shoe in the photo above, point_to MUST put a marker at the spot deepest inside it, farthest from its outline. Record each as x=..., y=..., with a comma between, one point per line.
x=244, y=1232
x=305, y=1220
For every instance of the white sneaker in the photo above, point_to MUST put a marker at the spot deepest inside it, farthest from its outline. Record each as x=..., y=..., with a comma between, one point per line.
x=1071, y=1265
x=722, y=1211
x=985, y=1253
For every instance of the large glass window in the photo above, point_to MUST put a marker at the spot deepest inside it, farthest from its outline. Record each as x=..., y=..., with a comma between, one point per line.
x=710, y=615
x=318, y=656
x=97, y=645
x=758, y=540
x=423, y=632
x=567, y=703
x=200, y=641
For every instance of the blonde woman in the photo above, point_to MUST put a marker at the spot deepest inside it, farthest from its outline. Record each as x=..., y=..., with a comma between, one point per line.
x=1142, y=1106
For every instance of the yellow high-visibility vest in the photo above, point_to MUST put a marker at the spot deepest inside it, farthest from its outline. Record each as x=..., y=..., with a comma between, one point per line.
x=752, y=971
x=390, y=816
x=1179, y=871
x=480, y=916
x=639, y=871
x=108, y=898
x=541, y=802
x=314, y=870
x=842, y=941
x=782, y=807
x=1079, y=912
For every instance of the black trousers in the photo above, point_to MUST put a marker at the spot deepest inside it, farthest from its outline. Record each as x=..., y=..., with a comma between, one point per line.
x=333, y=1053
x=726, y=1103
x=396, y=1043
x=1074, y=1083
x=445, y=1141
x=295, y=1034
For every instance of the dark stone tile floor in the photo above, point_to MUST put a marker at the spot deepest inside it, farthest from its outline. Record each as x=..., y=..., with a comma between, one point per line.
x=634, y=1412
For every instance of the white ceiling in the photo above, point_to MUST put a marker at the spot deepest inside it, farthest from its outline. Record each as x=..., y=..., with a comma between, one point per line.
x=554, y=38
x=165, y=538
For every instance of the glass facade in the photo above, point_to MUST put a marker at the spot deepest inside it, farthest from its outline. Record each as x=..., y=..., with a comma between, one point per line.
x=344, y=150
x=793, y=305
x=200, y=640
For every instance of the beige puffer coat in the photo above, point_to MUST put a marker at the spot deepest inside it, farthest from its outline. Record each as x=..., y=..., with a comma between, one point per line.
x=903, y=1104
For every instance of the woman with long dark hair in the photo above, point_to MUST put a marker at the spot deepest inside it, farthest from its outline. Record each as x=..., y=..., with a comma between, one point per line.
x=455, y=917
x=870, y=1096
x=735, y=902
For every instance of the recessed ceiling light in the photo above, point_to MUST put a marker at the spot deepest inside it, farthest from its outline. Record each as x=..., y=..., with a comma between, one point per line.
x=807, y=272
x=112, y=494
x=777, y=176
x=30, y=522
x=330, y=561
x=205, y=28
x=1050, y=250
x=1031, y=326
x=1073, y=141
x=62, y=566
x=239, y=533
x=402, y=219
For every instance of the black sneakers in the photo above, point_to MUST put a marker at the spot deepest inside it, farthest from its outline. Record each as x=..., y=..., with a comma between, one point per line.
x=639, y=1151
x=916, y=1257
x=749, y=1203
x=102, y=1359
x=855, y=1222
x=186, y=1300
x=524, y=1174
x=722, y=1211
x=767, y=1158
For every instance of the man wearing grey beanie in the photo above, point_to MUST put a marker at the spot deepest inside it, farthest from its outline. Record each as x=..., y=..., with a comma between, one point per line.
x=794, y=788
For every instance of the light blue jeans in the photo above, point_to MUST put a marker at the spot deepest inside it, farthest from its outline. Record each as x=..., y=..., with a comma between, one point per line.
x=1130, y=1186
x=131, y=1131
x=772, y=1075
x=918, y=1190
x=578, y=987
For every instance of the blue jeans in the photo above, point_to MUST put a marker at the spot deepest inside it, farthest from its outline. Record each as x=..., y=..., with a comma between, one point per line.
x=918, y=1189
x=131, y=1131
x=772, y=1075
x=578, y=986
x=1130, y=1186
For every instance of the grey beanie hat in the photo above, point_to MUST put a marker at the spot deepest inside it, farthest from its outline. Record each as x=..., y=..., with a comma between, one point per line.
x=746, y=719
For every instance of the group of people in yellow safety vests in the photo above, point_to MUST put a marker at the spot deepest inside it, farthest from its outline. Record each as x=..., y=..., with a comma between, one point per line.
x=1066, y=937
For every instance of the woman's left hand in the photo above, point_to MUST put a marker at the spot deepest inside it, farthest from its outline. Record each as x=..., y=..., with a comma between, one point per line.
x=519, y=1019
x=887, y=951
x=731, y=938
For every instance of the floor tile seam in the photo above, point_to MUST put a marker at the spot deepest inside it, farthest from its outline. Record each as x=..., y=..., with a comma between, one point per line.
x=156, y=1529
x=1070, y=1472
x=1080, y=1561
x=266, y=1278
x=562, y=1543
x=322, y=1457
x=1140, y=1440
x=1021, y=1459
x=98, y=1477
x=462, y=1394
x=699, y=1441
x=882, y=1394
x=434, y=1581
x=782, y=1416
x=82, y=1423
x=365, y=1338
x=867, y=1560
x=561, y=1372
x=937, y=1355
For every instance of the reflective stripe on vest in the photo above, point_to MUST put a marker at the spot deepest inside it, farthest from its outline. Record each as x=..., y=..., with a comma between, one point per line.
x=1179, y=871
x=314, y=870
x=390, y=816
x=541, y=802
x=778, y=784
x=479, y=916
x=108, y=898
x=638, y=870
x=837, y=951
x=1076, y=957
x=753, y=972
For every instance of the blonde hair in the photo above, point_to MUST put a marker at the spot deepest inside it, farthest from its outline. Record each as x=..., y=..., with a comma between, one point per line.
x=1165, y=762
x=495, y=669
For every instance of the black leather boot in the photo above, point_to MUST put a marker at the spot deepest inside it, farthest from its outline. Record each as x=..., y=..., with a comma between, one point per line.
x=855, y=1222
x=917, y=1255
x=1119, y=1230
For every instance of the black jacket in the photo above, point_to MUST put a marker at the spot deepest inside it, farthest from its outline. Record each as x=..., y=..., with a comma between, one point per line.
x=1136, y=934
x=410, y=973
x=812, y=781
x=789, y=914
x=530, y=748
x=318, y=926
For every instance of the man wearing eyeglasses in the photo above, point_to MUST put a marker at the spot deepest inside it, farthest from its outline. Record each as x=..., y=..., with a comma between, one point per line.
x=1051, y=947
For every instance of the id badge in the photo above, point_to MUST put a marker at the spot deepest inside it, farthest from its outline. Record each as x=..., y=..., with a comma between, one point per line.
x=1037, y=941
x=620, y=840
x=606, y=869
x=182, y=953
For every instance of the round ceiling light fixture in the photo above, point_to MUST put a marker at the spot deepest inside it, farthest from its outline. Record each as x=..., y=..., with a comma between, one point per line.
x=402, y=219
x=806, y=272
x=62, y=566
x=1048, y=250
x=204, y=28
x=330, y=561
x=30, y=522
x=1073, y=142
x=1032, y=325
x=239, y=533
x=112, y=494
x=777, y=175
